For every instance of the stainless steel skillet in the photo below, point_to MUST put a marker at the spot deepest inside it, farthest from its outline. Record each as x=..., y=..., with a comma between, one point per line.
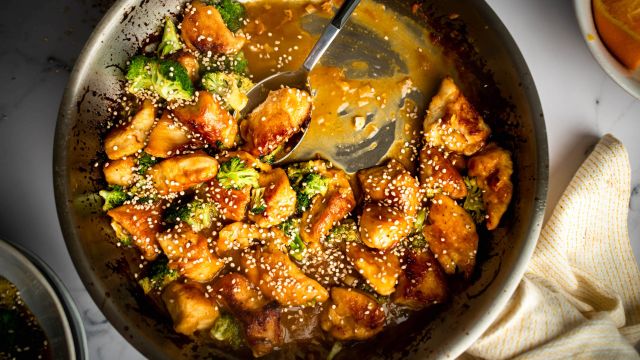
x=494, y=75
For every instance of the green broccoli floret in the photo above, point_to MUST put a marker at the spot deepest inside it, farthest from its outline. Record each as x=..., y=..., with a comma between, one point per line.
x=124, y=238
x=167, y=78
x=311, y=185
x=473, y=203
x=291, y=229
x=346, y=231
x=158, y=275
x=258, y=205
x=113, y=197
x=232, y=12
x=234, y=174
x=307, y=183
x=416, y=239
x=272, y=156
x=170, y=39
x=145, y=161
x=198, y=214
x=173, y=82
x=314, y=184
x=229, y=330
x=236, y=64
x=231, y=88
x=140, y=74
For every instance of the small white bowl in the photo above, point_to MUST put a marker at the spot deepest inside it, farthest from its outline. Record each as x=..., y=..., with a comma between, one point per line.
x=627, y=79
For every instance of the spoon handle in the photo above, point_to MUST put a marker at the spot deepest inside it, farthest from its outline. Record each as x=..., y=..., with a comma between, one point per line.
x=330, y=32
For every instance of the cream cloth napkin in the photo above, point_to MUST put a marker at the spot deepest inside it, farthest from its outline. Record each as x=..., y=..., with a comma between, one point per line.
x=580, y=297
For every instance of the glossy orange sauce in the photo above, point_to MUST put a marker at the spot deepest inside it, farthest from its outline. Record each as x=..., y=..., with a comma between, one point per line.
x=349, y=110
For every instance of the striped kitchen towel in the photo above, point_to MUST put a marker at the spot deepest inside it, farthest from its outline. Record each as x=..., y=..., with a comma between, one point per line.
x=580, y=297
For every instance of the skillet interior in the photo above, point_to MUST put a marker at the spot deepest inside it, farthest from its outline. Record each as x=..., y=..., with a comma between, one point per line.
x=494, y=76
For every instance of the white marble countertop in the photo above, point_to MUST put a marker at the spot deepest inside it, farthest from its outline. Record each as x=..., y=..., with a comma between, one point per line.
x=41, y=40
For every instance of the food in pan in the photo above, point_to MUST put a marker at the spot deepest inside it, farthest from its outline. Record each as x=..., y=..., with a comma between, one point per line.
x=260, y=256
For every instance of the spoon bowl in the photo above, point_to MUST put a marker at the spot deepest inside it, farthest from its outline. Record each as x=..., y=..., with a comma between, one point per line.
x=299, y=78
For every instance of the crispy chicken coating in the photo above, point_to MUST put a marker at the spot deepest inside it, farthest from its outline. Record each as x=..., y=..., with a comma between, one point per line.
x=264, y=332
x=493, y=168
x=281, y=279
x=189, y=308
x=391, y=185
x=237, y=294
x=381, y=226
x=208, y=118
x=120, y=172
x=131, y=137
x=237, y=236
x=142, y=223
x=422, y=282
x=352, y=315
x=189, y=252
x=439, y=175
x=179, y=173
x=274, y=121
x=328, y=209
x=203, y=29
x=231, y=203
x=380, y=269
x=279, y=197
x=452, y=123
x=451, y=235
x=167, y=138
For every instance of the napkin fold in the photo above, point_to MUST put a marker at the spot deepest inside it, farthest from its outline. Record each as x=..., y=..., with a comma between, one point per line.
x=580, y=297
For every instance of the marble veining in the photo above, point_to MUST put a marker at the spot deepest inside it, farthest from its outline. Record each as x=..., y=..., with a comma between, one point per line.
x=43, y=38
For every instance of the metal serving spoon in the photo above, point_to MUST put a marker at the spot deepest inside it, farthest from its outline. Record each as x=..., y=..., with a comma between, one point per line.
x=299, y=78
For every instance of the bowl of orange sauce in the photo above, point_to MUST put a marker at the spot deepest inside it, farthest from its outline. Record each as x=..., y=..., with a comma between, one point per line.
x=611, y=29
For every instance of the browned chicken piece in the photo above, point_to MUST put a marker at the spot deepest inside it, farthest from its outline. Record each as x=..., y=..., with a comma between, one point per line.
x=281, y=279
x=249, y=160
x=190, y=63
x=231, y=203
x=203, y=29
x=422, y=282
x=209, y=118
x=249, y=265
x=167, y=138
x=131, y=137
x=439, y=175
x=264, y=332
x=493, y=168
x=452, y=123
x=189, y=252
x=352, y=315
x=279, y=197
x=381, y=227
x=237, y=294
x=237, y=236
x=179, y=173
x=392, y=185
x=451, y=235
x=141, y=223
x=274, y=121
x=328, y=209
x=189, y=308
x=380, y=269
x=120, y=172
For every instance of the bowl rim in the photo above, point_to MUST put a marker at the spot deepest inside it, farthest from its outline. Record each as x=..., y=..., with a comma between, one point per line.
x=73, y=327
x=533, y=224
x=616, y=71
